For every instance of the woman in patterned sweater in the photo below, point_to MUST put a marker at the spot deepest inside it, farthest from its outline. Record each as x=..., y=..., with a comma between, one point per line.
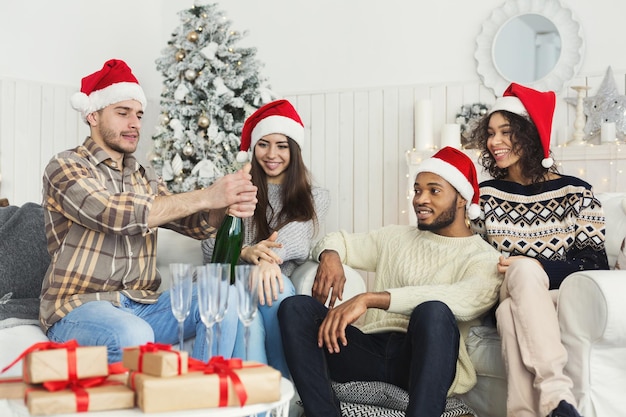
x=279, y=236
x=546, y=226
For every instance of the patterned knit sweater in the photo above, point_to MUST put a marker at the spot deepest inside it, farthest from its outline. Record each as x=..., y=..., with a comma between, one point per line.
x=296, y=237
x=416, y=266
x=558, y=222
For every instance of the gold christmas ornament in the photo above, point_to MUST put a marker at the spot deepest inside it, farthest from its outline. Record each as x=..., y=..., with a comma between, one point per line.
x=192, y=36
x=164, y=119
x=203, y=122
x=188, y=149
x=180, y=55
x=191, y=74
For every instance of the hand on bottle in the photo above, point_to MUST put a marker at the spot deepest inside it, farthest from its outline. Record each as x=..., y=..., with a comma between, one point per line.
x=253, y=254
x=270, y=282
x=329, y=278
x=234, y=191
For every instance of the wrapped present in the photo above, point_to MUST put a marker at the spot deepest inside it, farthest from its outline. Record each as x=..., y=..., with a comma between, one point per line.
x=12, y=388
x=155, y=359
x=112, y=396
x=61, y=362
x=219, y=383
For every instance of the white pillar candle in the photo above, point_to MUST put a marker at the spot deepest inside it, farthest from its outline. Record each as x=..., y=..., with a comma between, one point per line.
x=451, y=135
x=423, y=125
x=607, y=132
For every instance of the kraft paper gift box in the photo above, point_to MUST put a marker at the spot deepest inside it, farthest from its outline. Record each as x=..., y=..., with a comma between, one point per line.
x=158, y=362
x=106, y=397
x=200, y=390
x=52, y=364
x=12, y=388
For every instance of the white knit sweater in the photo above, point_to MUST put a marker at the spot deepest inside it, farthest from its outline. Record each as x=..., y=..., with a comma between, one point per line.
x=416, y=266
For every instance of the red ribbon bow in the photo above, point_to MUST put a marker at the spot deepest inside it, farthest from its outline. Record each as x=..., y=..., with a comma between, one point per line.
x=224, y=368
x=77, y=385
x=156, y=347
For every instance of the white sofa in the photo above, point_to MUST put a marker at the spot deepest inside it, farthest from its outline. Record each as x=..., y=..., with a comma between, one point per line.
x=592, y=317
x=17, y=335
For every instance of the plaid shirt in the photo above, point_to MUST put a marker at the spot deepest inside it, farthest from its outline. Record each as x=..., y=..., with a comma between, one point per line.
x=96, y=216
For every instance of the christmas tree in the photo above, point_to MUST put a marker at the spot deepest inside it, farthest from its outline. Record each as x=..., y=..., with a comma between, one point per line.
x=210, y=87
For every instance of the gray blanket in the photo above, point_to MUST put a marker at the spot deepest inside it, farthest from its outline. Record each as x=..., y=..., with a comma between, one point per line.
x=24, y=260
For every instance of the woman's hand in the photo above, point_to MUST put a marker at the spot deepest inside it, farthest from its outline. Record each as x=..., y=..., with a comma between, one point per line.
x=504, y=262
x=270, y=282
x=262, y=251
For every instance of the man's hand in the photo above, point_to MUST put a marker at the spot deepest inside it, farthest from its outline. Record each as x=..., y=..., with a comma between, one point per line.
x=329, y=277
x=253, y=254
x=234, y=191
x=332, y=331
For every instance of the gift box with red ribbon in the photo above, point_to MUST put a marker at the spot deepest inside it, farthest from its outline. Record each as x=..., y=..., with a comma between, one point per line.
x=12, y=388
x=49, y=361
x=218, y=383
x=106, y=396
x=155, y=359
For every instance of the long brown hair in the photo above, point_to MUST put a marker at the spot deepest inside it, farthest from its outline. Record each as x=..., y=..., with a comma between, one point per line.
x=298, y=204
x=525, y=143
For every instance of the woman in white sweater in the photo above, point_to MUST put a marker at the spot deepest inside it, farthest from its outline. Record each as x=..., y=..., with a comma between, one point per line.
x=278, y=237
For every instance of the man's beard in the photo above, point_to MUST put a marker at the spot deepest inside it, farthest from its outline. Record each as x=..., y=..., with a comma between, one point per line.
x=108, y=136
x=445, y=219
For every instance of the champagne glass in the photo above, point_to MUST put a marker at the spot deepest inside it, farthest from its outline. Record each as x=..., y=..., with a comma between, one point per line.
x=222, y=305
x=247, y=284
x=208, y=281
x=180, y=295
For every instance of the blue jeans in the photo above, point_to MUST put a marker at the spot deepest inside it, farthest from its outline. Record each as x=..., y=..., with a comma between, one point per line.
x=98, y=323
x=422, y=361
x=265, y=341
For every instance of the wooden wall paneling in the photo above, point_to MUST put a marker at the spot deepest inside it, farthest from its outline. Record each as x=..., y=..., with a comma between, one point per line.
x=374, y=165
x=361, y=173
x=454, y=100
x=332, y=160
x=405, y=138
x=7, y=142
x=391, y=170
x=344, y=202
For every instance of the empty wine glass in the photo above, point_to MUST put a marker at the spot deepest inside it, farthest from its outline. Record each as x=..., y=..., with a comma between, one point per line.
x=247, y=284
x=208, y=281
x=222, y=303
x=180, y=295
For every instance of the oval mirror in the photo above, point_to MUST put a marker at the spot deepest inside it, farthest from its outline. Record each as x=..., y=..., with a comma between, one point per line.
x=537, y=44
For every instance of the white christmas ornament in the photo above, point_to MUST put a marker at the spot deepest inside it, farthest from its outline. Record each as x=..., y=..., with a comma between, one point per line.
x=167, y=172
x=181, y=92
x=177, y=165
x=220, y=87
x=209, y=50
x=206, y=169
x=177, y=127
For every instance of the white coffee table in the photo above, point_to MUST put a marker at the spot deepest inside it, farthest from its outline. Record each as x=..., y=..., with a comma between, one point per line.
x=280, y=408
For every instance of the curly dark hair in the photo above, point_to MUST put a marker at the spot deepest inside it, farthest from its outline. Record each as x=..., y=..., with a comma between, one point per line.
x=525, y=142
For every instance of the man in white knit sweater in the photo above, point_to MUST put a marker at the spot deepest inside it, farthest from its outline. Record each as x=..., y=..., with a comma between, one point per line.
x=432, y=284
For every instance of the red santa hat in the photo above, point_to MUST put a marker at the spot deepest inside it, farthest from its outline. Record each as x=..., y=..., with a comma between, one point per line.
x=276, y=117
x=537, y=105
x=458, y=169
x=113, y=83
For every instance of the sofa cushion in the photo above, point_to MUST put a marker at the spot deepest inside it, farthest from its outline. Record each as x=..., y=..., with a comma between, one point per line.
x=24, y=259
x=614, y=206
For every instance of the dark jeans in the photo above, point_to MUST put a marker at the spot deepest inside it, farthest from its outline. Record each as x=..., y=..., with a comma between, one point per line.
x=422, y=361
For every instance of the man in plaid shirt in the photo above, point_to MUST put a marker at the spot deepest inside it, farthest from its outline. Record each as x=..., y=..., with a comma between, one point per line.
x=102, y=212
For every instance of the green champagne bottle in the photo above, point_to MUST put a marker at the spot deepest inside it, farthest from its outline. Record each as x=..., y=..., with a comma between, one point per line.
x=228, y=243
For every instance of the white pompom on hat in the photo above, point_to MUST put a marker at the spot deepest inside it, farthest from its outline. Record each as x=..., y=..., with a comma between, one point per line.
x=115, y=82
x=276, y=117
x=538, y=106
x=458, y=169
